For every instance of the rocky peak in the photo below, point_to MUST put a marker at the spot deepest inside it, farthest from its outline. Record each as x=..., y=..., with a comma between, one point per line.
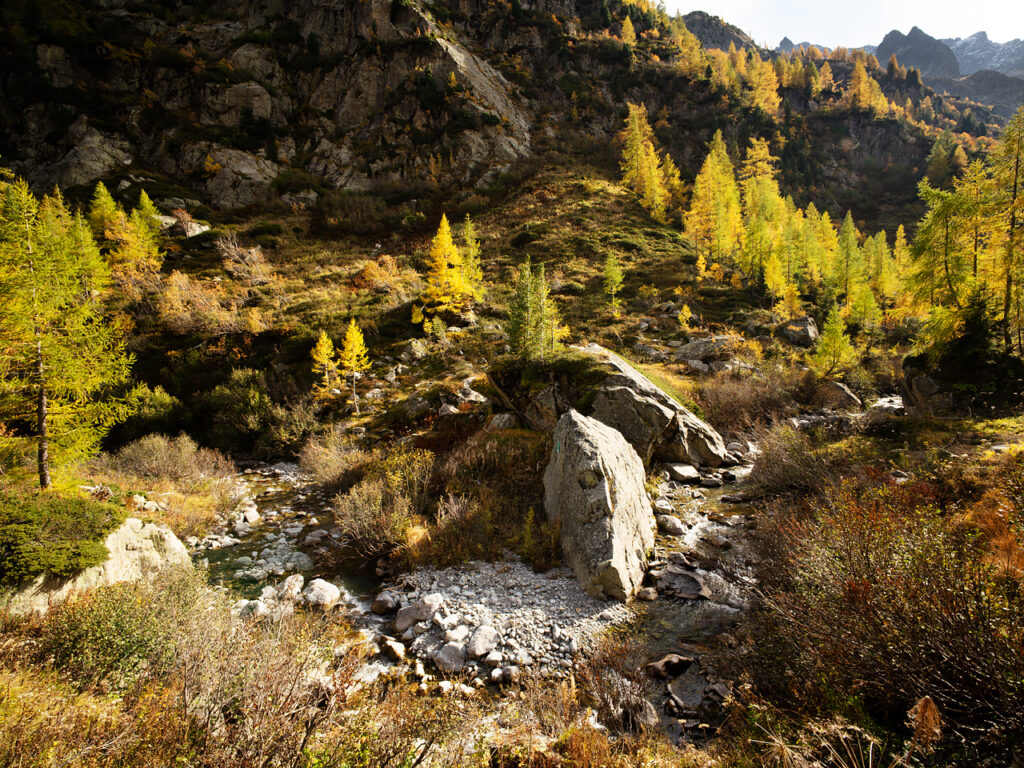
x=918, y=49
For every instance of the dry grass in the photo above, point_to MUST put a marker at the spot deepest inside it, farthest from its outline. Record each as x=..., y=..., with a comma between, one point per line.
x=194, y=485
x=743, y=402
x=333, y=458
x=205, y=690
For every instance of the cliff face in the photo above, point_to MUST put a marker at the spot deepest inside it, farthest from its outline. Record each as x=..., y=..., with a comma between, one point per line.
x=235, y=103
x=346, y=91
x=933, y=57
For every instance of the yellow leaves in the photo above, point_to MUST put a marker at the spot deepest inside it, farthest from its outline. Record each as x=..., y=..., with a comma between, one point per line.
x=354, y=355
x=211, y=167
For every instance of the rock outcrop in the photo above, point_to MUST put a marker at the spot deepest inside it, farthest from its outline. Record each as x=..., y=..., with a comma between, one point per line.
x=650, y=420
x=137, y=550
x=594, y=490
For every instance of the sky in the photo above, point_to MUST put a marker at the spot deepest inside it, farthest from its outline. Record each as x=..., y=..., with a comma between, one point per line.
x=854, y=23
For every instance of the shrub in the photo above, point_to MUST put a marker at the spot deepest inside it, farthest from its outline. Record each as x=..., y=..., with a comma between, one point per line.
x=788, y=462
x=177, y=460
x=246, y=264
x=745, y=402
x=109, y=637
x=50, y=533
x=494, y=502
x=241, y=409
x=874, y=596
x=376, y=516
x=332, y=457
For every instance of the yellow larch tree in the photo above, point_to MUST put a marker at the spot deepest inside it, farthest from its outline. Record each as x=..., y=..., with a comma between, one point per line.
x=354, y=357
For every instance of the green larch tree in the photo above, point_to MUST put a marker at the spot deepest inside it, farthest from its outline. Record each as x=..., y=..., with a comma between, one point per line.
x=835, y=352
x=613, y=280
x=61, y=358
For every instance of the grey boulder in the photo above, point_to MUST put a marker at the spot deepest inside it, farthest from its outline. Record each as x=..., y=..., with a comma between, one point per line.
x=594, y=491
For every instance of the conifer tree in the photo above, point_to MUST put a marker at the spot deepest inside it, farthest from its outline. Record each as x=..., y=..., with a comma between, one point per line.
x=446, y=287
x=763, y=84
x=325, y=367
x=1008, y=168
x=59, y=354
x=635, y=138
x=628, y=33
x=104, y=212
x=613, y=281
x=848, y=256
x=472, y=271
x=940, y=268
x=714, y=219
x=835, y=352
x=354, y=357
x=533, y=328
x=826, y=81
x=149, y=213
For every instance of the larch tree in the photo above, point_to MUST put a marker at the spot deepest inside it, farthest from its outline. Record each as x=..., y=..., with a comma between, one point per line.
x=714, y=219
x=472, y=270
x=628, y=32
x=354, y=357
x=1008, y=170
x=613, y=281
x=325, y=367
x=446, y=287
x=534, y=328
x=104, y=212
x=61, y=359
x=835, y=352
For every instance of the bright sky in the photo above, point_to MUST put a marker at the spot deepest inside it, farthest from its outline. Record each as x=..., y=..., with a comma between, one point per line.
x=862, y=22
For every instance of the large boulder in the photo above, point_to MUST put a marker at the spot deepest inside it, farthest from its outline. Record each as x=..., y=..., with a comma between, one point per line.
x=641, y=419
x=706, y=349
x=594, y=490
x=652, y=421
x=803, y=332
x=136, y=550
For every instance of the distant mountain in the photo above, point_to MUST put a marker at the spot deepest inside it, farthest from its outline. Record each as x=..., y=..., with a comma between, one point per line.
x=787, y=46
x=933, y=57
x=978, y=52
x=713, y=32
x=1003, y=93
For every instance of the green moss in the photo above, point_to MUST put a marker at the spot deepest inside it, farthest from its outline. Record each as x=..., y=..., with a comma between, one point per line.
x=49, y=533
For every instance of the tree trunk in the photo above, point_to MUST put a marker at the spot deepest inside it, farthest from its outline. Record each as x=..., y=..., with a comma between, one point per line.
x=355, y=397
x=41, y=423
x=1008, y=293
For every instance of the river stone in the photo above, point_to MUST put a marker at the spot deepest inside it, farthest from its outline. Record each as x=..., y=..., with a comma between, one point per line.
x=291, y=588
x=483, y=641
x=422, y=610
x=385, y=602
x=594, y=491
x=676, y=582
x=393, y=650
x=684, y=473
x=321, y=594
x=671, y=525
x=451, y=658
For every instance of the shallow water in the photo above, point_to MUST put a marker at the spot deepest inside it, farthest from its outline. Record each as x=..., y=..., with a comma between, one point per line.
x=286, y=499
